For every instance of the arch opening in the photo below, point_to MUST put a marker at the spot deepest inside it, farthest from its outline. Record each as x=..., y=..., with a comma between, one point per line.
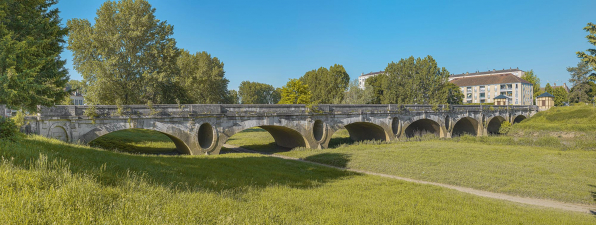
x=494, y=125
x=318, y=130
x=206, y=135
x=361, y=131
x=519, y=119
x=139, y=141
x=285, y=137
x=465, y=125
x=422, y=127
x=395, y=126
x=58, y=132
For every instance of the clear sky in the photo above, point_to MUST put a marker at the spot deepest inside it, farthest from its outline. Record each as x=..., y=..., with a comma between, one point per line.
x=272, y=41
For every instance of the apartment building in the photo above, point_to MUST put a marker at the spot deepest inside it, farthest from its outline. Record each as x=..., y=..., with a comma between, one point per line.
x=362, y=78
x=484, y=88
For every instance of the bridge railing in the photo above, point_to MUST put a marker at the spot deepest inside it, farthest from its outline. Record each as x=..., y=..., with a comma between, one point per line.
x=254, y=109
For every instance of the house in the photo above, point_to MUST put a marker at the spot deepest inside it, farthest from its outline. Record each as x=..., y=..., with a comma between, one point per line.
x=483, y=88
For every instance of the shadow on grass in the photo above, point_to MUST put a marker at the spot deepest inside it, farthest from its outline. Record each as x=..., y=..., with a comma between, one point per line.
x=235, y=172
x=128, y=141
x=338, y=141
x=594, y=197
x=333, y=159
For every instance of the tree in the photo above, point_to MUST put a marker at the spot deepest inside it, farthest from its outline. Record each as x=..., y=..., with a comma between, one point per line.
x=590, y=57
x=415, y=81
x=295, y=92
x=257, y=93
x=202, y=78
x=355, y=95
x=454, y=94
x=232, y=97
x=534, y=80
x=127, y=57
x=560, y=95
x=548, y=88
x=580, y=79
x=327, y=85
x=376, y=83
x=31, y=38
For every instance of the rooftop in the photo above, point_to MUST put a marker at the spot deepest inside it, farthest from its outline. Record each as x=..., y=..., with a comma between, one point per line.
x=545, y=94
x=488, y=79
x=372, y=73
x=487, y=72
x=501, y=97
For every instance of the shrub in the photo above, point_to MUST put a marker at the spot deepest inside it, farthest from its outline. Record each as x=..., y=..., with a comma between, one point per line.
x=505, y=127
x=8, y=129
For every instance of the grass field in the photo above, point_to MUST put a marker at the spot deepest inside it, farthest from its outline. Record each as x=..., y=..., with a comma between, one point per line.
x=47, y=181
x=569, y=118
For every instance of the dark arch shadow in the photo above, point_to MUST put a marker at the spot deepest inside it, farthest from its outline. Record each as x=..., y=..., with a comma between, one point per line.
x=494, y=125
x=421, y=127
x=285, y=137
x=465, y=125
x=361, y=131
x=519, y=119
x=127, y=140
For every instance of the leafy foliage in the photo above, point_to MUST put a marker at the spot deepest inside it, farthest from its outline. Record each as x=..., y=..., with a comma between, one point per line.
x=590, y=57
x=505, y=127
x=327, y=86
x=580, y=78
x=8, y=129
x=534, y=80
x=31, y=38
x=355, y=95
x=232, y=97
x=258, y=93
x=295, y=92
x=202, y=78
x=561, y=96
x=417, y=81
x=376, y=83
x=127, y=55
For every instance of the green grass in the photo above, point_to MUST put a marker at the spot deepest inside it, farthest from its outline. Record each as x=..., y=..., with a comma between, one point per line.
x=46, y=181
x=519, y=166
x=139, y=141
x=568, y=118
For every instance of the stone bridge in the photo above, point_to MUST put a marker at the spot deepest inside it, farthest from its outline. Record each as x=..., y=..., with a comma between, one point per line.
x=203, y=129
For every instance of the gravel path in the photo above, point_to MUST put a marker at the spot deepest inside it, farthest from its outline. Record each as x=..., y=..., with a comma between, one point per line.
x=523, y=200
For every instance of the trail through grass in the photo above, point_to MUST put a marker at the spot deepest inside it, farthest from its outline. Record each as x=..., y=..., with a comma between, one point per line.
x=47, y=181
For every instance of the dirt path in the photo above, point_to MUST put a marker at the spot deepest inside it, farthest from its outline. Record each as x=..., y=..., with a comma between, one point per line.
x=524, y=200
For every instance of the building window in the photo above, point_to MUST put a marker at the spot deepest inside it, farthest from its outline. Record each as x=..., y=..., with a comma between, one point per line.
x=469, y=95
x=482, y=89
x=482, y=95
x=469, y=89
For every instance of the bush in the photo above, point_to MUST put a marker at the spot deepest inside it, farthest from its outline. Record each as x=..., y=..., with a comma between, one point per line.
x=8, y=129
x=505, y=127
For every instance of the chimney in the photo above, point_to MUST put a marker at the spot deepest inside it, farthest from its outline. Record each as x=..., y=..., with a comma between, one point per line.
x=362, y=74
x=494, y=70
x=467, y=73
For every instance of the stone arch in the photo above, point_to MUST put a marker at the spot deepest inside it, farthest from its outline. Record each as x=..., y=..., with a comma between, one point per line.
x=422, y=126
x=494, y=124
x=286, y=137
x=106, y=129
x=58, y=132
x=518, y=119
x=360, y=131
x=395, y=126
x=465, y=125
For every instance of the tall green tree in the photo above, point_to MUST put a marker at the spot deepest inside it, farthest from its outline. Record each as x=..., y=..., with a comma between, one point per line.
x=534, y=80
x=295, y=92
x=202, y=78
x=31, y=39
x=327, y=86
x=560, y=95
x=589, y=57
x=376, y=83
x=232, y=97
x=548, y=88
x=257, y=93
x=580, y=76
x=416, y=81
x=454, y=94
x=127, y=56
x=355, y=95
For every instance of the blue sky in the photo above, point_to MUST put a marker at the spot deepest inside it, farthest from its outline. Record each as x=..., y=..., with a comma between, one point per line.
x=272, y=41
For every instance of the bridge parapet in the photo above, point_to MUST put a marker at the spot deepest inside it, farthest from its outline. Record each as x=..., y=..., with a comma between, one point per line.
x=203, y=129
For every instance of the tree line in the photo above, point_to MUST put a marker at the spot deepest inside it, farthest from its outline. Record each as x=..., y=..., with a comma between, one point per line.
x=128, y=56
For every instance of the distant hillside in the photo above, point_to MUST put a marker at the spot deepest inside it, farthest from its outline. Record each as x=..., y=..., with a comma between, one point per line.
x=571, y=118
